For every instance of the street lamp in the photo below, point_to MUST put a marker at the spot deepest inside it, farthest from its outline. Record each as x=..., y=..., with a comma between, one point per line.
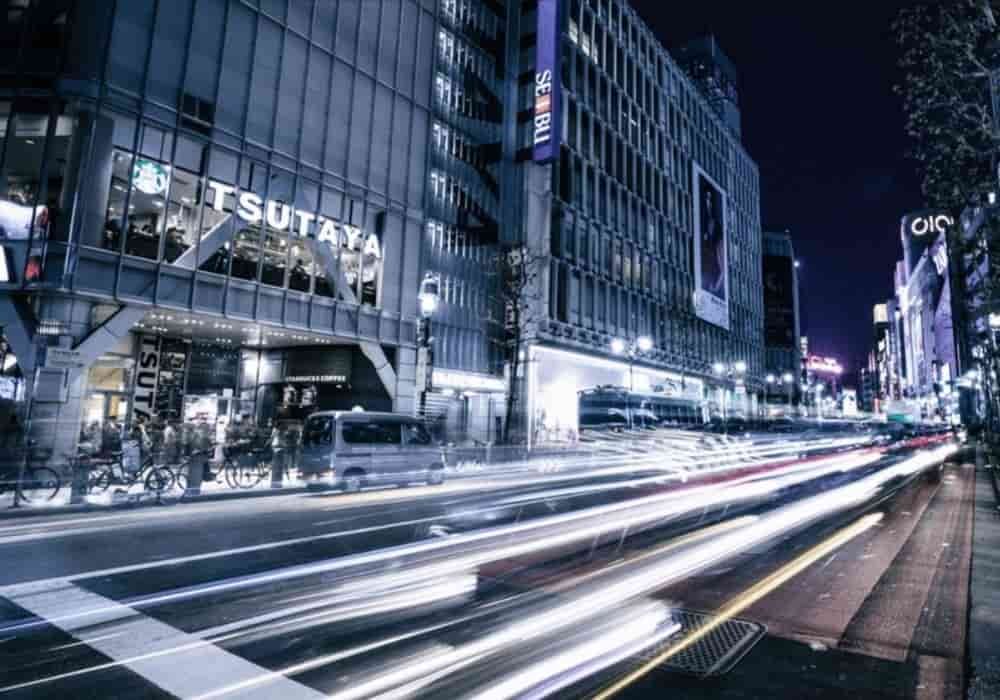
x=641, y=346
x=730, y=373
x=429, y=299
x=789, y=379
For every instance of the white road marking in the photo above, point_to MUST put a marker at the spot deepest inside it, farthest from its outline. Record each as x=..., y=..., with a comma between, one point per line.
x=177, y=662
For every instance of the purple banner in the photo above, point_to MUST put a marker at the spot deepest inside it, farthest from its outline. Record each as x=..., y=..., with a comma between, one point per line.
x=547, y=126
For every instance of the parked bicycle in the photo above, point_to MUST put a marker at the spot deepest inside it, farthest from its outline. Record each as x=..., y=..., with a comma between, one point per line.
x=112, y=471
x=244, y=466
x=33, y=484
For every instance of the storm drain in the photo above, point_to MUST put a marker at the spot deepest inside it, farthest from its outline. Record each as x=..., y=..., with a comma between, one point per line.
x=715, y=653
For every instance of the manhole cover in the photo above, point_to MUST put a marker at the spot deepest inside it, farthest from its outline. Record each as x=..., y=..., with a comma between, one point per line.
x=713, y=654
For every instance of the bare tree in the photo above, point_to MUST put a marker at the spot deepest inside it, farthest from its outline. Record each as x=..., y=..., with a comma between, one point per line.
x=519, y=276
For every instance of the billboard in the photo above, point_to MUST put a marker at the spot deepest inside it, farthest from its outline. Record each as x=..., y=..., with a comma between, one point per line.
x=547, y=123
x=779, y=302
x=711, y=258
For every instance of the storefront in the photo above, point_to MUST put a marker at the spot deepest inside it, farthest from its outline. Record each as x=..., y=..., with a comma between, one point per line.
x=192, y=372
x=561, y=384
x=466, y=407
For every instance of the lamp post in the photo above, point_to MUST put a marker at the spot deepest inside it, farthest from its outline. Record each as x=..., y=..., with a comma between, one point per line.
x=640, y=346
x=729, y=372
x=429, y=299
x=789, y=379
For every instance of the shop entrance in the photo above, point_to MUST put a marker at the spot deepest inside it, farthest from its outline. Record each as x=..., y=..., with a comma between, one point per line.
x=104, y=417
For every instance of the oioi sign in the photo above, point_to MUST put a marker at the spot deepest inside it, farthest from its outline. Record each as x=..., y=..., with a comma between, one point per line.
x=927, y=222
x=256, y=210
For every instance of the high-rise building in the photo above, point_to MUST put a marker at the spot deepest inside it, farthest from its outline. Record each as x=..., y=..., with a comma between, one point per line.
x=644, y=210
x=782, y=326
x=220, y=211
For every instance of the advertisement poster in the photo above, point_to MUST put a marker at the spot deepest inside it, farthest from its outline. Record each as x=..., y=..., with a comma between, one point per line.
x=779, y=302
x=711, y=297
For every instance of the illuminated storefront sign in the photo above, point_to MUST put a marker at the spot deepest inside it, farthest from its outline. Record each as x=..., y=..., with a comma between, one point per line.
x=463, y=381
x=149, y=177
x=147, y=372
x=282, y=217
x=922, y=224
x=548, y=89
x=824, y=365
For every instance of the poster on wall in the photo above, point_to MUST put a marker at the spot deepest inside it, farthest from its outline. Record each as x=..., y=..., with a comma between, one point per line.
x=779, y=302
x=711, y=268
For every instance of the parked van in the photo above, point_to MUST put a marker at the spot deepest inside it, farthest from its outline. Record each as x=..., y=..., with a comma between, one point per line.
x=354, y=449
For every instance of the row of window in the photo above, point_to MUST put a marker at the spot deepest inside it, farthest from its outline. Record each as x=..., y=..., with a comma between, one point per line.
x=593, y=304
x=346, y=99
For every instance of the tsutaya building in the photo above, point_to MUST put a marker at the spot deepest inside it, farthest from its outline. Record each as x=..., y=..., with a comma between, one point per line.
x=197, y=226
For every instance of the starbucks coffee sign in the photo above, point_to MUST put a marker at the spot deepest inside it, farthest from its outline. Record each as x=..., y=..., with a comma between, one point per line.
x=256, y=210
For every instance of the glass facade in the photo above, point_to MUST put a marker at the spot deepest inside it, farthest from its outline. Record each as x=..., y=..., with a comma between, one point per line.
x=623, y=259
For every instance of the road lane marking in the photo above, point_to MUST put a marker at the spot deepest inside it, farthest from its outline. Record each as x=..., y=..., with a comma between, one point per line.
x=177, y=662
x=746, y=599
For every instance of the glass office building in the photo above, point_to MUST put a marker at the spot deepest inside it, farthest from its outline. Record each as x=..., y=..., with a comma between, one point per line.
x=647, y=217
x=218, y=209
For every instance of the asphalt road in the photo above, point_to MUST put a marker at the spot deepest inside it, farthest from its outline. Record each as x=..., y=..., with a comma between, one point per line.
x=308, y=595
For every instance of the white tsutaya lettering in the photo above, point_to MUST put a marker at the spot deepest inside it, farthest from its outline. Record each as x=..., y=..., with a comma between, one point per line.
x=250, y=207
x=219, y=193
x=353, y=237
x=279, y=216
x=328, y=231
x=304, y=220
x=372, y=247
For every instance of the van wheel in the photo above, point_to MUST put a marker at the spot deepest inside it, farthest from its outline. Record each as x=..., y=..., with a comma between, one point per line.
x=353, y=481
x=435, y=475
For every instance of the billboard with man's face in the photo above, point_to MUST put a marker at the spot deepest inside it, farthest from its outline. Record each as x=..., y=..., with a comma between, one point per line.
x=711, y=263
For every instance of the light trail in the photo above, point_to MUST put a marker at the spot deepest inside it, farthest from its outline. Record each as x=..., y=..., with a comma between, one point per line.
x=746, y=599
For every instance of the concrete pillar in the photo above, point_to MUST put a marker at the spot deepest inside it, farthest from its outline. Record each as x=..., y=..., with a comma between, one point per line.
x=404, y=399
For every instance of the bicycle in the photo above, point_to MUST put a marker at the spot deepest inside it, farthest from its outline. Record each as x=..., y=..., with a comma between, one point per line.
x=35, y=484
x=155, y=478
x=244, y=467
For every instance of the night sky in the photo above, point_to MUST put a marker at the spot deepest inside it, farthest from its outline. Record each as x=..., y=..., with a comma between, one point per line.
x=824, y=126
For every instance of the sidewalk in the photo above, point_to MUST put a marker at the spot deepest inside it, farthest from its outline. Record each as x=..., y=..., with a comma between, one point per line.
x=984, y=604
x=137, y=498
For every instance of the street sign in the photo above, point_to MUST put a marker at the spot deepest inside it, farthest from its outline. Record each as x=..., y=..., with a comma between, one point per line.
x=63, y=358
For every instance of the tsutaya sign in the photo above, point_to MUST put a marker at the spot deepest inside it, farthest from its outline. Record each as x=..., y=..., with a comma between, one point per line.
x=280, y=216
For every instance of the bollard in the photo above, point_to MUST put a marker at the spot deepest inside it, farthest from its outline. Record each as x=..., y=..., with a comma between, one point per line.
x=196, y=467
x=79, y=484
x=277, y=468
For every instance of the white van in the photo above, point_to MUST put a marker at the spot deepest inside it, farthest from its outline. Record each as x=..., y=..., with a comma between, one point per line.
x=351, y=450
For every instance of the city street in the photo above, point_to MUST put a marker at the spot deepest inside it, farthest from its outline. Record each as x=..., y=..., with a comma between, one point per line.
x=509, y=585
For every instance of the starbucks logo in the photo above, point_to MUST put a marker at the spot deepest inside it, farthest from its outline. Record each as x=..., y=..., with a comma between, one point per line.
x=149, y=177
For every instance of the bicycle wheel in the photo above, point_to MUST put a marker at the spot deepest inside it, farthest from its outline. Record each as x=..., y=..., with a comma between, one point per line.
x=39, y=484
x=243, y=476
x=160, y=479
x=99, y=481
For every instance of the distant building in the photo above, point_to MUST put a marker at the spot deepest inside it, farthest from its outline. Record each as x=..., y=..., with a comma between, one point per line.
x=782, y=356
x=922, y=324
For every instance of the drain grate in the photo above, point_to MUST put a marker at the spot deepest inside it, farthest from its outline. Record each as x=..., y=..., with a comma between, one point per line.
x=715, y=653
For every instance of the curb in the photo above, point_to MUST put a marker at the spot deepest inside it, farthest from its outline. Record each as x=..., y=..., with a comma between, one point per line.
x=29, y=512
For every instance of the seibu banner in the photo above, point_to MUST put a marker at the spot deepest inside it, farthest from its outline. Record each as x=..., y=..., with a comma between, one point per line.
x=547, y=125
